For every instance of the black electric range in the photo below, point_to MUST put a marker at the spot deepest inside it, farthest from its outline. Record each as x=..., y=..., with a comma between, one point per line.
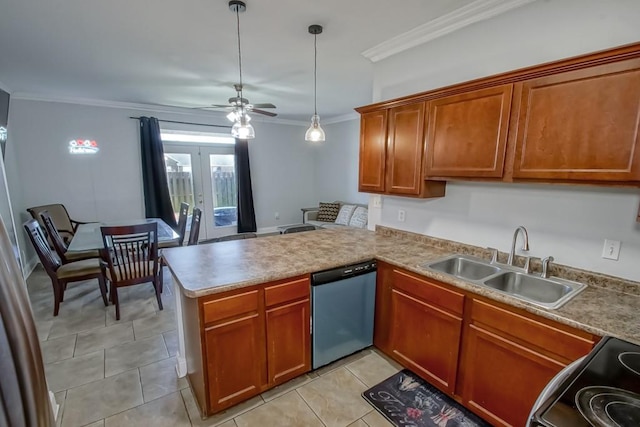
x=604, y=390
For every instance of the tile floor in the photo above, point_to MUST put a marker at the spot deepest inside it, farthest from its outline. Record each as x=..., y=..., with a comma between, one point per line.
x=122, y=373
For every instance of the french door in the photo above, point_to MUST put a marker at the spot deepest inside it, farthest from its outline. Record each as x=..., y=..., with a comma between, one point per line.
x=204, y=177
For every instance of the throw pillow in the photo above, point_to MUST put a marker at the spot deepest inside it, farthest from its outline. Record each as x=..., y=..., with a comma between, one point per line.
x=345, y=214
x=359, y=217
x=328, y=211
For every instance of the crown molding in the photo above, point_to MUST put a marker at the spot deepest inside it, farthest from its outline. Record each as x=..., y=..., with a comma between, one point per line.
x=342, y=118
x=477, y=11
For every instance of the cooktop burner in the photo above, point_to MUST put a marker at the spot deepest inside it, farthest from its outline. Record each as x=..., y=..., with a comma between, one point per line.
x=631, y=361
x=603, y=391
x=609, y=406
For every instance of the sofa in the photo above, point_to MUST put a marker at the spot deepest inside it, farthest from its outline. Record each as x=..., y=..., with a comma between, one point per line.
x=337, y=214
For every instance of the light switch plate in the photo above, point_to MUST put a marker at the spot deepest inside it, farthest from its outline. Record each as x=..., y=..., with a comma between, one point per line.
x=611, y=249
x=377, y=201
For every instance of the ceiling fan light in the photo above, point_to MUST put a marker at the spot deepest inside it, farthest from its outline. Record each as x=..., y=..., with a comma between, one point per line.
x=315, y=132
x=233, y=116
x=242, y=129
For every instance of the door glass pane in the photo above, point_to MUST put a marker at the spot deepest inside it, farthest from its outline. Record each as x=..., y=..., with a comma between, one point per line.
x=223, y=184
x=180, y=178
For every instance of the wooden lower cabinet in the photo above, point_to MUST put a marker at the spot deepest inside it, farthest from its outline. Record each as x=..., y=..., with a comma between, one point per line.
x=249, y=341
x=426, y=327
x=234, y=350
x=509, y=356
x=504, y=378
x=425, y=339
x=493, y=358
x=288, y=333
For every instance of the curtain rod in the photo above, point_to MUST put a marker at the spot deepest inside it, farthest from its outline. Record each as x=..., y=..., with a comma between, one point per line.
x=187, y=123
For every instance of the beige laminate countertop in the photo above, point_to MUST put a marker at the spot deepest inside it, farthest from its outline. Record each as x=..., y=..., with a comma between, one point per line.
x=208, y=269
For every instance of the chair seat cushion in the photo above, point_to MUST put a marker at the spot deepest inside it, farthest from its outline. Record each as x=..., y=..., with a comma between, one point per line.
x=135, y=268
x=79, y=268
x=81, y=255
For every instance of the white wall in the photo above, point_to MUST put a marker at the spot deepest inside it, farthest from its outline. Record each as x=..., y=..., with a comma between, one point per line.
x=568, y=222
x=108, y=186
x=336, y=162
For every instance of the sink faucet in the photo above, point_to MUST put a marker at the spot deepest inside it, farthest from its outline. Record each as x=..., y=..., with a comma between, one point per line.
x=525, y=244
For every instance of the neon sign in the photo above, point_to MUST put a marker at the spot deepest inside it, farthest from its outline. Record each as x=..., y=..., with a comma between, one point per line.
x=83, y=146
x=3, y=134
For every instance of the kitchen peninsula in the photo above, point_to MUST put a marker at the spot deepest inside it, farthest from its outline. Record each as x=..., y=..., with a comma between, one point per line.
x=236, y=298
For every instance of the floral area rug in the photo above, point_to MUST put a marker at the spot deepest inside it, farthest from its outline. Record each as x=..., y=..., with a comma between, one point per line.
x=408, y=401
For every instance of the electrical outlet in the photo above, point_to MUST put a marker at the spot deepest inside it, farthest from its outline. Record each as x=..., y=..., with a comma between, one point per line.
x=377, y=201
x=611, y=249
x=401, y=215
x=277, y=215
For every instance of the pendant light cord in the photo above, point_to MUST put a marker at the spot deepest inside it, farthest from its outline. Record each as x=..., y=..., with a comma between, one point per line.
x=315, y=75
x=239, y=51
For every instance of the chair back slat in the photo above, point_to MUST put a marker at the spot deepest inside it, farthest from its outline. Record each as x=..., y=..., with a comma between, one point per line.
x=131, y=252
x=194, y=232
x=49, y=259
x=182, y=222
x=58, y=242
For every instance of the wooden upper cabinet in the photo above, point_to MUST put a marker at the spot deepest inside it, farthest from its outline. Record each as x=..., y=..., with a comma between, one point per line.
x=580, y=125
x=467, y=133
x=373, y=151
x=405, y=149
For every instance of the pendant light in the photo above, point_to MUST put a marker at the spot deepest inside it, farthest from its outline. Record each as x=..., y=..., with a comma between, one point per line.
x=241, y=129
x=315, y=132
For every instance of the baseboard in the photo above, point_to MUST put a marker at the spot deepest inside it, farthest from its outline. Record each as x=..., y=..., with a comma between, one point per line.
x=29, y=267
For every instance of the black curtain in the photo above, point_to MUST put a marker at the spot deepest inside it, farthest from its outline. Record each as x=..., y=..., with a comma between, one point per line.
x=246, y=212
x=157, y=202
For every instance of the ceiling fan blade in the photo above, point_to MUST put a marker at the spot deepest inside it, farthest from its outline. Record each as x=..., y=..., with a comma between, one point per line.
x=218, y=106
x=266, y=113
x=264, y=105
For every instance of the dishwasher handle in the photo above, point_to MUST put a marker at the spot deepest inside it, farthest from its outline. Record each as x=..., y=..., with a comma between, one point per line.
x=340, y=273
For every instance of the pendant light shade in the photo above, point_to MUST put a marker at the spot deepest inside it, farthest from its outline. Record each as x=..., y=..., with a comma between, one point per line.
x=315, y=132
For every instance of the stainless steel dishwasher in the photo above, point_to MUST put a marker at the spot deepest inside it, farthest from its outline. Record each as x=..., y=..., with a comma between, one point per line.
x=343, y=302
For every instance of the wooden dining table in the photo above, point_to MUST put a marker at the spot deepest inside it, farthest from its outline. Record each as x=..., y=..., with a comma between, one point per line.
x=89, y=237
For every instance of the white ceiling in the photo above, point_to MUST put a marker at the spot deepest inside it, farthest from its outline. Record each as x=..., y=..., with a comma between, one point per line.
x=183, y=53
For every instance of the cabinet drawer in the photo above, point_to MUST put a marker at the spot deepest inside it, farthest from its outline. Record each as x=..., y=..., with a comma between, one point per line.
x=563, y=343
x=284, y=292
x=234, y=305
x=431, y=292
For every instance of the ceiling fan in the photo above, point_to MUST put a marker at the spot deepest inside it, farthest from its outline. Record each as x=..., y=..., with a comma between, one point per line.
x=238, y=104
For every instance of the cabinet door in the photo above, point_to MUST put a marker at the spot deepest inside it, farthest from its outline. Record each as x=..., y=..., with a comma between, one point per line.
x=373, y=149
x=425, y=339
x=288, y=341
x=467, y=133
x=581, y=125
x=235, y=354
x=502, y=379
x=405, y=150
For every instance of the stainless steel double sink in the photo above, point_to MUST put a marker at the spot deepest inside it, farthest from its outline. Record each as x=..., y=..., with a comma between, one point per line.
x=549, y=293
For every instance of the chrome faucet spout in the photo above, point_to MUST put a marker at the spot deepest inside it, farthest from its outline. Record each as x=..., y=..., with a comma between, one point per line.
x=525, y=244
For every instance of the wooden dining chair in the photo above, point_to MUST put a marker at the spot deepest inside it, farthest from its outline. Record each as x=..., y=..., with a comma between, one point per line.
x=62, y=274
x=194, y=232
x=60, y=245
x=182, y=227
x=65, y=225
x=131, y=256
